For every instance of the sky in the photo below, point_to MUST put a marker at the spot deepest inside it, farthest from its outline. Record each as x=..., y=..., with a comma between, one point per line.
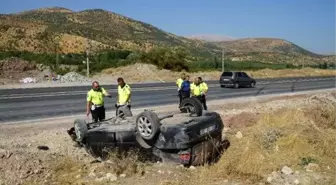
x=307, y=23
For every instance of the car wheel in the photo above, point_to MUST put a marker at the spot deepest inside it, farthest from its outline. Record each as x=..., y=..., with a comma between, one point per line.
x=143, y=143
x=192, y=105
x=147, y=125
x=222, y=86
x=252, y=84
x=123, y=112
x=81, y=129
x=236, y=85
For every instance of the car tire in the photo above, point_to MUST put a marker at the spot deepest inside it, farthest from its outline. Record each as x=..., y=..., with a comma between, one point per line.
x=252, y=84
x=143, y=143
x=123, y=112
x=81, y=129
x=192, y=105
x=148, y=125
x=222, y=86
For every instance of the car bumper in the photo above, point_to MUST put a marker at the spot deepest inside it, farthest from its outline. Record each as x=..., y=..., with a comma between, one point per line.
x=226, y=83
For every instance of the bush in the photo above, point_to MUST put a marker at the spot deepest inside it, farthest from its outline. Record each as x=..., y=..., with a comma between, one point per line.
x=165, y=58
x=235, y=65
x=62, y=71
x=175, y=59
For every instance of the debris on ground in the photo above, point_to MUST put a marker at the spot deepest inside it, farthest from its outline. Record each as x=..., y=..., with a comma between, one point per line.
x=28, y=80
x=312, y=167
x=43, y=148
x=239, y=135
x=286, y=170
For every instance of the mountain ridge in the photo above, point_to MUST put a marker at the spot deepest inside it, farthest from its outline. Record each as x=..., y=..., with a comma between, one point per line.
x=58, y=29
x=211, y=37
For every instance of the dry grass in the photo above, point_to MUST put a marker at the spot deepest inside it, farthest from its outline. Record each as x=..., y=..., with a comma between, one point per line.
x=145, y=73
x=288, y=137
x=67, y=170
x=291, y=137
x=268, y=73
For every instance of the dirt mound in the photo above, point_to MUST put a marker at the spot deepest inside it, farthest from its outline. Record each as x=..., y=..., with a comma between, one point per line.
x=147, y=73
x=15, y=65
x=74, y=77
x=12, y=70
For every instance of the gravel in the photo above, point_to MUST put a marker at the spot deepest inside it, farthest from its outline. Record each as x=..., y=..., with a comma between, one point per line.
x=73, y=77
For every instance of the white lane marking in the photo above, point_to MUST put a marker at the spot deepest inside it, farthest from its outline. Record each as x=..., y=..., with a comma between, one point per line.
x=15, y=96
x=83, y=115
x=65, y=93
x=36, y=121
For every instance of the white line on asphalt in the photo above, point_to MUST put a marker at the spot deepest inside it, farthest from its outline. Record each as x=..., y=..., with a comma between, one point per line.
x=78, y=115
x=157, y=107
x=65, y=93
x=14, y=96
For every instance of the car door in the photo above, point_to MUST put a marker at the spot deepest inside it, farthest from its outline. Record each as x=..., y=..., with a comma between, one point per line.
x=247, y=79
x=240, y=79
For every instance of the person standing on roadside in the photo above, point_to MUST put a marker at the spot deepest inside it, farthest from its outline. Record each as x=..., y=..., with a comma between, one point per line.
x=199, y=90
x=185, y=88
x=95, y=102
x=178, y=84
x=124, y=93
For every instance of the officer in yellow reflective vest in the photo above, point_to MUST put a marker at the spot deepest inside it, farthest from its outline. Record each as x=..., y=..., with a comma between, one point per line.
x=178, y=84
x=95, y=102
x=124, y=93
x=199, y=89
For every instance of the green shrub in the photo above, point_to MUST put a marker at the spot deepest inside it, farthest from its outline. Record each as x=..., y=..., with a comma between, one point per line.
x=171, y=58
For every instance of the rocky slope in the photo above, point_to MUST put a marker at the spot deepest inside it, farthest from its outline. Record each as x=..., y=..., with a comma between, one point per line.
x=62, y=30
x=270, y=49
x=52, y=29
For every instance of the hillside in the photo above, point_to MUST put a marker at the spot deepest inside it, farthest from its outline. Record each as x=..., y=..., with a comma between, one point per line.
x=210, y=37
x=46, y=29
x=270, y=49
x=51, y=30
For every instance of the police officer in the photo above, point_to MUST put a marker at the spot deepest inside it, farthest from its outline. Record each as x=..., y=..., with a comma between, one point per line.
x=124, y=93
x=199, y=90
x=185, y=88
x=178, y=84
x=95, y=102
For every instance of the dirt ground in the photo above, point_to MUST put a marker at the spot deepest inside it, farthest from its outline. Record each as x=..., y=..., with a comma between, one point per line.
x=143, y=73
x=24, y=160
x=150, y=73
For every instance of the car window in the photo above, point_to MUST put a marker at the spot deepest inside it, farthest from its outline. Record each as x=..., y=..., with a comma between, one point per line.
x=239, y=75
x=244, y=74
x=227, y=74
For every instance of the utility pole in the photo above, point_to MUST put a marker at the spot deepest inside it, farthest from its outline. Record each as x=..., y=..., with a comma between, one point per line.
x=223, y=61
x=87, y=59
x=56, y=59
x=56, y=41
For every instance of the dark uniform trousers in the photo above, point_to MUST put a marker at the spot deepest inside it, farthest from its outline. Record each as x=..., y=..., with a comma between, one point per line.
x=180, y=96
x=98, y=114
x=202, y=99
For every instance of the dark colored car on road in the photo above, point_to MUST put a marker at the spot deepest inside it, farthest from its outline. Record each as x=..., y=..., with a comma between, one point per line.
x=236, y=80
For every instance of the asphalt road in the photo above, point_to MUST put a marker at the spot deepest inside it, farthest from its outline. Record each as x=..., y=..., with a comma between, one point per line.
x=36, y=103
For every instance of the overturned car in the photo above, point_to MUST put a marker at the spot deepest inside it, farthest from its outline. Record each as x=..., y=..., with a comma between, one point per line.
x=189, y=137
